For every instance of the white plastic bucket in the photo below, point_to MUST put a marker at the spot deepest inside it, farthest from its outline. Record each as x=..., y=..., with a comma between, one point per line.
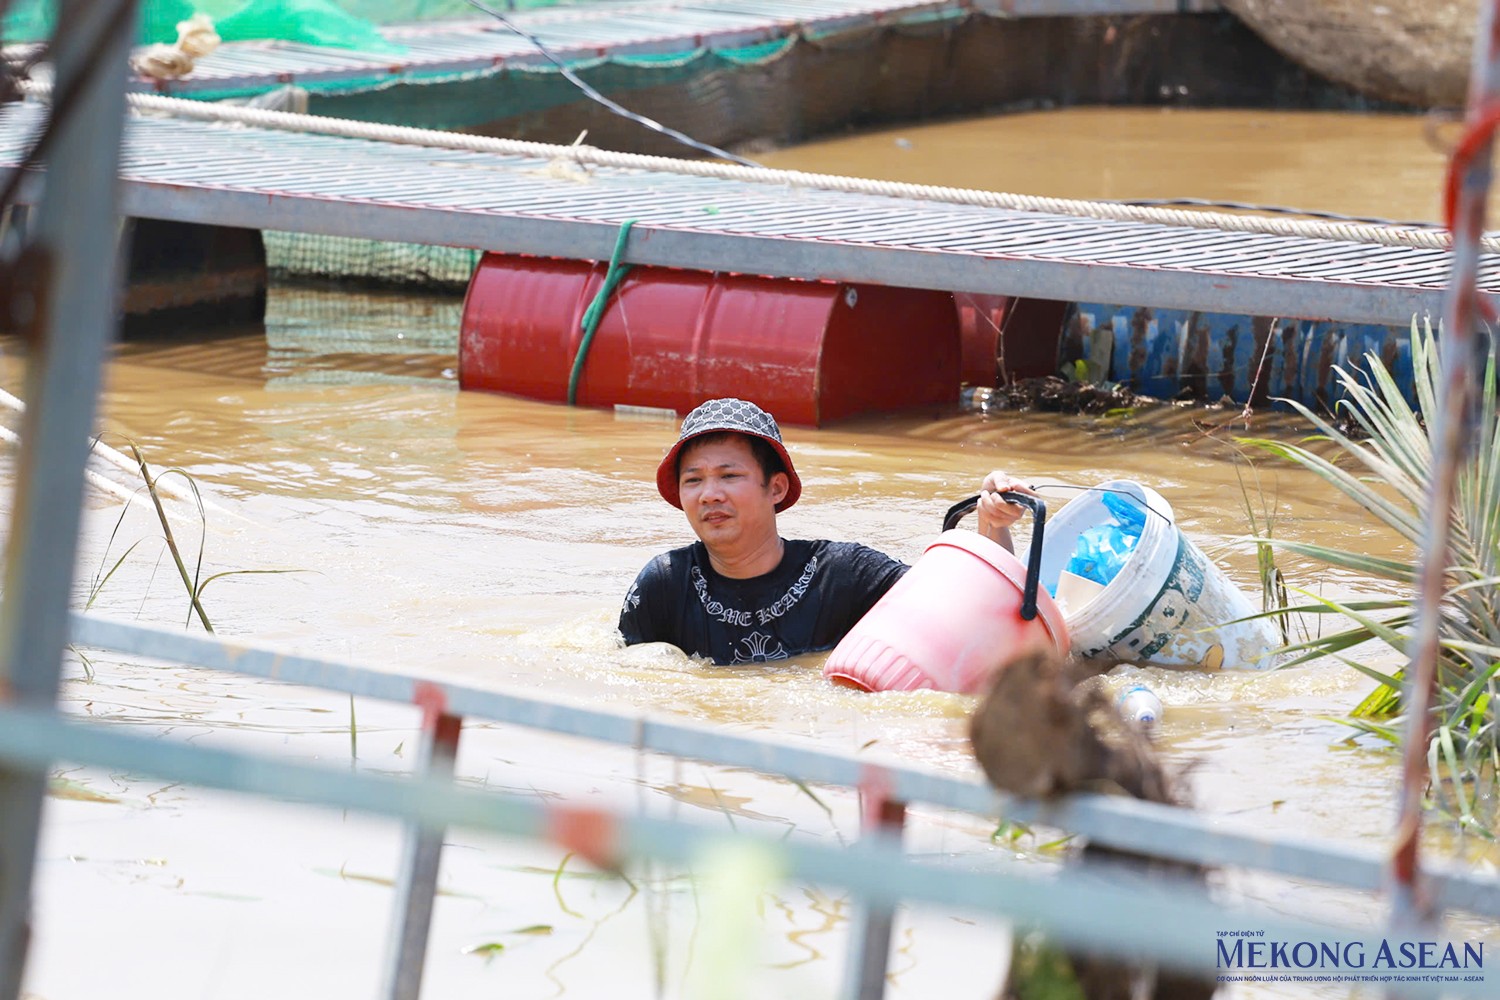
x=1169, y=605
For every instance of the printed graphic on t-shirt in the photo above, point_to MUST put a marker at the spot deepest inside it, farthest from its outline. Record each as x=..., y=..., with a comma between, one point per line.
x=806, y=604
x=734, y=616
x=758, y=647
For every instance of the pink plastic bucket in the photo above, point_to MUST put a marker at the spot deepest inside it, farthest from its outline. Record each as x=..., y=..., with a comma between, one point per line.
x=948, y=623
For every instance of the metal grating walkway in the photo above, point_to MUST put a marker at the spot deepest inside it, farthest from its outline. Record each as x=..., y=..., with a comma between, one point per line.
x=591, y=31
x=264, y=179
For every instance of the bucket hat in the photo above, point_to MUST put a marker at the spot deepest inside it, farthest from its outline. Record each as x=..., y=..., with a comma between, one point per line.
x=718, y=415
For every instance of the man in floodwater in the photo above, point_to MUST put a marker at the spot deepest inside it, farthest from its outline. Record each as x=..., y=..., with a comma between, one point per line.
x=742, y=593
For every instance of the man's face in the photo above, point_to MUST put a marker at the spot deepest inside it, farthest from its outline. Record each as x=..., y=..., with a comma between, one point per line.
x=728, y=501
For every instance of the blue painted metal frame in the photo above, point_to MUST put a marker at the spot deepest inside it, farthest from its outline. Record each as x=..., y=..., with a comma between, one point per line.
x=1079, y=907
x=1110, y=820
x=871, y=922
x=1112, y=913
x=72, y=320
x=416, y=886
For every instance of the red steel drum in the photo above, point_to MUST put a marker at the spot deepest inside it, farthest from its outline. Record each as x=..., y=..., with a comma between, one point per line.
x=807, y=351
x=1008, y=338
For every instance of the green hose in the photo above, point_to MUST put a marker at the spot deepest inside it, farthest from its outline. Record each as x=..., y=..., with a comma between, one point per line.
x=595, y=312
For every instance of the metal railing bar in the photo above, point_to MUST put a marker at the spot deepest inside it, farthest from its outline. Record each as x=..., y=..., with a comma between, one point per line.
x=871, y=924
x=1112, y=820
x=416, y=884
x=71, y=321
x=1128, y=917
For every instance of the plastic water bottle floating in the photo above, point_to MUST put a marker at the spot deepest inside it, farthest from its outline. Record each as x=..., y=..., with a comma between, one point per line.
x=1141, y=706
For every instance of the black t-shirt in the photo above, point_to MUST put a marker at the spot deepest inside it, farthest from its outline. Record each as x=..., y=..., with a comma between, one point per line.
x=807, y=603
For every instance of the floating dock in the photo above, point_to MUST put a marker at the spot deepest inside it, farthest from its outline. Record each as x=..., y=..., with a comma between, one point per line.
x=454, y=50
x=746, y=75
x=259, y=178
x=1190, y=293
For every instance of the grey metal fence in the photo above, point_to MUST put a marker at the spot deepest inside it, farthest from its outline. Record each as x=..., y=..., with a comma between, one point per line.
x=67, y=323
x=1172, y=922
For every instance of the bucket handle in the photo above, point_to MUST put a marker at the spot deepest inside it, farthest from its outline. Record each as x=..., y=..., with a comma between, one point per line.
x=1033, y=559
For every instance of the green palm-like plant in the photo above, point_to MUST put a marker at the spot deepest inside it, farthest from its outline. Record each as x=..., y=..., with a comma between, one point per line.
x=1387, y=475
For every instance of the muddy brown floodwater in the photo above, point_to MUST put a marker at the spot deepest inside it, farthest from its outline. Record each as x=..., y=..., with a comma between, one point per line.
x=491, y=539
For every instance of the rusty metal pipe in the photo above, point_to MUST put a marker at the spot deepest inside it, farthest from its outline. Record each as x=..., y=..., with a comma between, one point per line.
x=1469, y=182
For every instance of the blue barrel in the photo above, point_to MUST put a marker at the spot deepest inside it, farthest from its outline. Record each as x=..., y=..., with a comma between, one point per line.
x=1172, y=353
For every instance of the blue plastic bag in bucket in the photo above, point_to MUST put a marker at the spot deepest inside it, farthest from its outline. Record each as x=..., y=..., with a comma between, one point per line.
x=1165, y=602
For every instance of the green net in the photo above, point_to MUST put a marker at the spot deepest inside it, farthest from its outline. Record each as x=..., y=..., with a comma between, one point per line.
x=308, y=255
x=470, y=100
x=770, y=93
x=342, y=23
x=34, y=20
x=312, y=22
x=775, y=92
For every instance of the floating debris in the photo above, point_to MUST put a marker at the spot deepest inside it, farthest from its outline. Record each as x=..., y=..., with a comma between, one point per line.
x=1055, y=394
x=76, y=791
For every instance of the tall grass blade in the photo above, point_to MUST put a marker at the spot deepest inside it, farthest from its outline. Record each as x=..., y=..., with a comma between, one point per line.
x=166, y=527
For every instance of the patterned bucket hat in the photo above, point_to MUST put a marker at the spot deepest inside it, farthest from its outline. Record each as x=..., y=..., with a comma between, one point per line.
x=735, y=415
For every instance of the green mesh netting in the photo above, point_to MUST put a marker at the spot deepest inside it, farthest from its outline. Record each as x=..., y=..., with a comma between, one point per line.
x=726, y=96
x=312, y=22
x=773, y=92
x=343, y=23
x=33, y=20
x=307, y=255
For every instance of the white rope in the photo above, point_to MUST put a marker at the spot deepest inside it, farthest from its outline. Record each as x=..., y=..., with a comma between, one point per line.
x=104, y=451
x=109, y=486
x=1352, y=232
x=118, y=459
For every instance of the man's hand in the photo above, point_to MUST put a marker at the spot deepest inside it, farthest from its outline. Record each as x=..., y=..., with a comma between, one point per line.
x=995, y=515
